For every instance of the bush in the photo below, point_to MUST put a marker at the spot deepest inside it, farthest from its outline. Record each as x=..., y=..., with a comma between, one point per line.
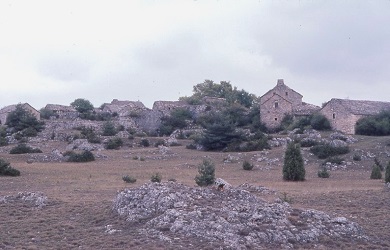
x=109, y=129
x=307, y=143
x=206, y=174
x=129, y=179
x=84, y=156
x=6, y=169
x=145, y=143
x=377, y=125
x=90, y=135
x=357, y=157
x=323, y=173
x=160, y=142
x=29, y=132
x=24, y=149
x=176, y=120
x=247, y=165
x=156, y=177
x=81, y=105
x=379, y=164
x=387, y=174
x=376, y=172
x=325, y=150
x=319, y=122
x=3, y=134
x=293, y=167
x=114, y=143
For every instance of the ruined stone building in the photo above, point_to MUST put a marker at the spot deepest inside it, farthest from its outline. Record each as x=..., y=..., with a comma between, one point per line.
x=343, y=114
x=62, y=111
x=280, y=101
x=8, y=109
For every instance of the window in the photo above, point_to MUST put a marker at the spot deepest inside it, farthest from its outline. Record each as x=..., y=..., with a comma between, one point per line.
x=286, y=93
x=276, y=119
x=334, y=116
x=276, y=105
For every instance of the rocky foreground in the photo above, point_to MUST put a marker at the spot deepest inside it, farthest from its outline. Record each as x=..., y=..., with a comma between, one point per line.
x=236, y=218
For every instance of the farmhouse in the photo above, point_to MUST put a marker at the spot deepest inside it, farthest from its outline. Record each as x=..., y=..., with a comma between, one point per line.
x=343, y=113
x=281, y=101
x=8, y=109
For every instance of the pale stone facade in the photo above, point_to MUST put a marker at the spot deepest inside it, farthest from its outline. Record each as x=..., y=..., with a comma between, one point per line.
x=343, y=114
x=280, y=101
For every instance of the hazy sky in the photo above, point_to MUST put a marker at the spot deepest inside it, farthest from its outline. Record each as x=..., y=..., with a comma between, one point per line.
x=57, y=51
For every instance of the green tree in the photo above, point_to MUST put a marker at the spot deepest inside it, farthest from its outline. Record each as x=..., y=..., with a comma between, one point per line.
x=206, y=173
x=387, y=174
x=21, y=119
x=176, y=120
x=293, y=167
x=82, y=105
x=218, y=136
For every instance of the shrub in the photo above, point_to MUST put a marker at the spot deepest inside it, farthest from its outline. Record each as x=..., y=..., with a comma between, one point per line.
x=129, y=179
x=114, y=143
x=357, y=157
x=206, y=174
x=377, y=125
x=323, y=173
x=379, y=164
x=156, y=177
x=293, y=167
x=24, y=149
x=145, y=142
x=84, y=156
x=109, y=129
x=247, y=165
x=387, y=174
x=320, y=122
x=90, y=135
x=176, y=120
x=6, y=169
x=376, y=172
x=29, y=132
x=325, y=150
x=191, y=146
x=160, y=142
x=307, y=143
x=3, y=134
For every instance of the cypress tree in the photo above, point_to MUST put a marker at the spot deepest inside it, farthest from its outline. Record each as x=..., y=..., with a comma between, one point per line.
x=387, y=174
x=376, y=172
x=293, y=167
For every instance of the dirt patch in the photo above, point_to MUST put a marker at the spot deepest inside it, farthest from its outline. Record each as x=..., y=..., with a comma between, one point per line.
x=78, y=211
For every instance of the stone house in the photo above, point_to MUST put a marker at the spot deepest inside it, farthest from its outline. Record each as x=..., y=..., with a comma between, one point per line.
x=280, y=101
x=125, y=108
x=62, y=111
x=8, y=109
x=166, y=107
x=343, y=113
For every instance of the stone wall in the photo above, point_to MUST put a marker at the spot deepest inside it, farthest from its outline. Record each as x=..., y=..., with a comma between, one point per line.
x=273, y=110
x=340, y=118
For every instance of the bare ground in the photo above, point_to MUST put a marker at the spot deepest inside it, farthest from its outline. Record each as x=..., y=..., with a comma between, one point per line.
x=80, y=195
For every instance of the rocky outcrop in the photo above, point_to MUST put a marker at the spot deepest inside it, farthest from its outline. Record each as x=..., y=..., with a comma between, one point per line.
x=234, y=217
x=34, y=199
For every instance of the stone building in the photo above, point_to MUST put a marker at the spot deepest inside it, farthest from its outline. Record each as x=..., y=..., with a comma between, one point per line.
x=8, y=109
x=62, y=111
x=343, y=113
x=280, y=101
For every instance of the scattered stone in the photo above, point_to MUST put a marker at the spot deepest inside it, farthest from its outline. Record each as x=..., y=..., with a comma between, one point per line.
x=235, y=218
x=35, y=199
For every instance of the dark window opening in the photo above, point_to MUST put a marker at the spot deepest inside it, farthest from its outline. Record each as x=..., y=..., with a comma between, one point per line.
x=286, y=93
x=276, y=104
x=334, y=116
x=276, y=119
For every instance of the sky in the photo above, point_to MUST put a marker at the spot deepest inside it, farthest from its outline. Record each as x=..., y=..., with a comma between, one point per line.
x=53, y=52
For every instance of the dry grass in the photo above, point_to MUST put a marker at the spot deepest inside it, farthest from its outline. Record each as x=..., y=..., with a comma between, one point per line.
x=80, y=196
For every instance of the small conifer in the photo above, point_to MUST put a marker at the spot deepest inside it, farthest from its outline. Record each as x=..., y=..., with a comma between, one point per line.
x=293, y=167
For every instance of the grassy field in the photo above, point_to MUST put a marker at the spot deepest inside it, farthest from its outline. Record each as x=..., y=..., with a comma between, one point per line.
x=80, y=195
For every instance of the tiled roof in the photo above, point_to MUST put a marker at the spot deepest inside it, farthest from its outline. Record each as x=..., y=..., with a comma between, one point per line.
x=362, y=107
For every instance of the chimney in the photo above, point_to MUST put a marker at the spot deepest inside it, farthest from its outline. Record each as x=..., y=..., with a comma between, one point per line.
x=280, y=82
